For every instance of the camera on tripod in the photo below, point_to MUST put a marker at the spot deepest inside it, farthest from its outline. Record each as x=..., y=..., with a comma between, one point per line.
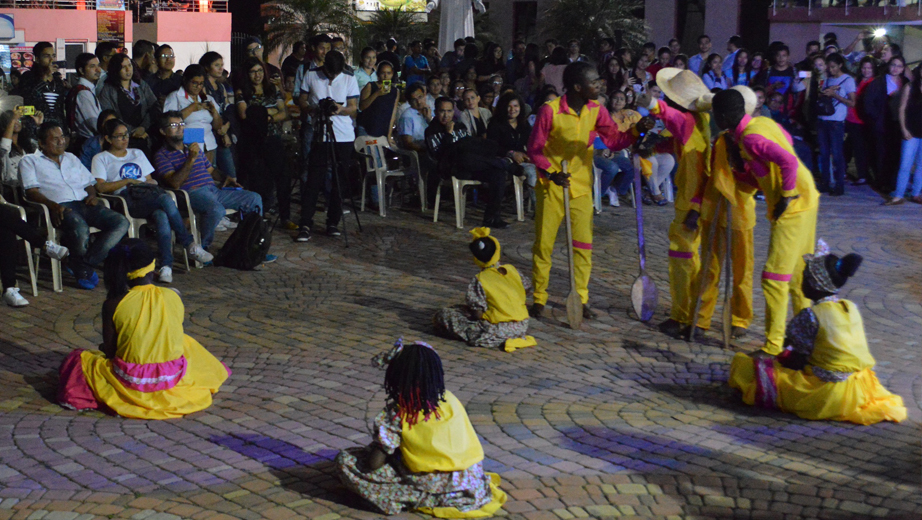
x=327, y=107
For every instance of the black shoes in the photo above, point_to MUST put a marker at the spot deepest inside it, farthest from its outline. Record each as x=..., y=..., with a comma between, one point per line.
x=536, y=311
x=304, y=234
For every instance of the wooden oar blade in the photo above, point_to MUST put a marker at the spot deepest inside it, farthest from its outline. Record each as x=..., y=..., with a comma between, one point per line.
x=644, y=297
x=574, y=310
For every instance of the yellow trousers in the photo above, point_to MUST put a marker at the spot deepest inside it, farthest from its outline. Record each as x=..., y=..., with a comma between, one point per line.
x=684, y=265
x=549, y=213
x=743, y=264
x=792, y=237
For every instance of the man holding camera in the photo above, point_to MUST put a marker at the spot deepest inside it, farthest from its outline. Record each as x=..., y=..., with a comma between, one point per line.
x=329, y=93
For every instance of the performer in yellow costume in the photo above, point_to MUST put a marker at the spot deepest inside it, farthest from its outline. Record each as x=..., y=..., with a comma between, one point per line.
x=147, y=368
x=720, y=184
x=762, y=155
x=564, y=130
x=425, y=455
x=826, y=370
x=494, y=313
x=686, y=117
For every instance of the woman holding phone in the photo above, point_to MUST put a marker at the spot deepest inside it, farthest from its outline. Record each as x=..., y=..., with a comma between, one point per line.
x=378, y=103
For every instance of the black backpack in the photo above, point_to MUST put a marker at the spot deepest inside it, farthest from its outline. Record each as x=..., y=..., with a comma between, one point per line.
x=247, y=246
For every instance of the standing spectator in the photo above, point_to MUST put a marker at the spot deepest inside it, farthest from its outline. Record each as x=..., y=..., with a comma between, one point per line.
x=713, y=75
x=549, y=45
x=813, y=47
x=41, y=87
x=143, y=53
x=740, y=72
x=295, y=59
x=338, y=44
x=415, y=65
x=649, y=50
x=474, y=118
x=134, y=102
x=378, y=102
x=451, y=59
x=606, y=52
x=858, y=140
x=553, y=69
x=639, y=78
x=254, y=49
x=215, y=86
x=680, y=61
x=390, y=55
x=431, y=51
x=82, y=106
x=198, y=109
x=126, y=171
x=664, y=58
x=510, y=130
x=910, y=113
x=320, y=45
x=329, y=82
x=471, y=52
x=104, y=51
x=734, y=44
x=184, y=168
x=491, y=63
x=830, y=128
x=261, y=111
x=573, y=54
x=366, y=72
x=782, y=78
x=880, y=102
x=165, y=81
x=676, y=47
x=704, y=49
x=615, y=76
x=624, y=54
x=516, y=66
x=759, y=65
x=58, y=180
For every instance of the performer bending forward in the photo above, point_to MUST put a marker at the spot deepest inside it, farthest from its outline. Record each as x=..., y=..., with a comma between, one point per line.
x=563, y=132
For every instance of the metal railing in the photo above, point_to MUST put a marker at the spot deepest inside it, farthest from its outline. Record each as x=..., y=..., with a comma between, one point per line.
x=136, y=6
x=895, y=5
x=49, y=4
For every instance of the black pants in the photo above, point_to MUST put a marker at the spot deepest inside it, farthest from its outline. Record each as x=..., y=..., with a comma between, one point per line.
x=857, y=142
x=317, y=172
x=266, y=167
x=11, y=226
x=491, y=171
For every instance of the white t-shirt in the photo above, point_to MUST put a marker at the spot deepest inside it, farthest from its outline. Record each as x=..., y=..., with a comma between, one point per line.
x=343, y=88
x=846, y=86
x=111, y=168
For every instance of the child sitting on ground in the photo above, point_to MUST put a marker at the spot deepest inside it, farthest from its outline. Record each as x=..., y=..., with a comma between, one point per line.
x=825, y=371
x=425, y=456
x=495, y=313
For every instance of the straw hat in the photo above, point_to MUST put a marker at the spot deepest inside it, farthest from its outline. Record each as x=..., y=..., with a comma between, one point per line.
x=749, y=97
x=685, y=88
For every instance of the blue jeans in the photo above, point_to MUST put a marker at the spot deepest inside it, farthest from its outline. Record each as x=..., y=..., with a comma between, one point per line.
x=910, y=163
x=224, y=156
x=611, y=168
x=78, y=218
x=210, y=202
x=831, y=137
x=164, y=214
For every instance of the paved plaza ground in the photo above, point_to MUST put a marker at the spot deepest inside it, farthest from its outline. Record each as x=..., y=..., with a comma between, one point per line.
x=612, y=420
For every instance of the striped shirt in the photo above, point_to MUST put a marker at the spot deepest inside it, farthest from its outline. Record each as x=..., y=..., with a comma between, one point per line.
x=168, y=161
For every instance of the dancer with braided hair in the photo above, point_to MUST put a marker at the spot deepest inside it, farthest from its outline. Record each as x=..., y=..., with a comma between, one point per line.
x=425, y=456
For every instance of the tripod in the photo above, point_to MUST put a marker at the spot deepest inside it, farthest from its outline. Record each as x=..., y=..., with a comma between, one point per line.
x=325, y=137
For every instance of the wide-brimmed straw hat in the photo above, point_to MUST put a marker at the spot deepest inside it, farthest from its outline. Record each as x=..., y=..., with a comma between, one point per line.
x=749, y=97
x=684, y=88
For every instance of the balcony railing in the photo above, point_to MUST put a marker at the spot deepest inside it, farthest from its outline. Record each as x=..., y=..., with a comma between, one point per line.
x=897, y=6
x=136, y=6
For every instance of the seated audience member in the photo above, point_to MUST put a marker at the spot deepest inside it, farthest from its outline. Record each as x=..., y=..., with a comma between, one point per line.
x=491, y=63
x=143, y=53
x=510, y=130
x=184, y=168
x=58, y=180
x=474, y=117
x=434, y=90
x=616, y=167
x=460, y=155
x=13, y=146
x=126, y=171
x=11, y=226
x=146, y=366
x=826, y=369
x=439, y=467
x=165, y=81
x=82, y=106
x=494, y=313
x=42, y=86
x=198, y=109
x=378, y=102
x=134, y=103
x=293, y=61
x=261, y=111
x=411, y=134
x=93, y=145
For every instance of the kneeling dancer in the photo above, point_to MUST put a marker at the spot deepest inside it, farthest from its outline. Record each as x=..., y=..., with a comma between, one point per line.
x=425, y=456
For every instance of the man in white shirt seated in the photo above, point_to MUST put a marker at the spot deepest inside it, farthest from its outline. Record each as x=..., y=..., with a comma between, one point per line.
x=411, y=134
x=57, y=179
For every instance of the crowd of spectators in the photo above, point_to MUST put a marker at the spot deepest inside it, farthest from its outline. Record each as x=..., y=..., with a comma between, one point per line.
x=133, y=125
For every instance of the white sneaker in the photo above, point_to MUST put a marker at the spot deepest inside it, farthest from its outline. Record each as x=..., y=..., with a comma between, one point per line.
x=613, y=198
x=12, y=298
x=165, y=274
x=55, y=251
x=226, y=223
x=221, y=226
x=198, y=254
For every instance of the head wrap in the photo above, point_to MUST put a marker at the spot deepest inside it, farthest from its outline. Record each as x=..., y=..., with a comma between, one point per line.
x=826, y=272
x=480, y=247
x=142, y=272
x=384, y=358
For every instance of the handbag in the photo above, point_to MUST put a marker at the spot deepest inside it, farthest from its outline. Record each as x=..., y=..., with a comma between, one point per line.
x=825, y=105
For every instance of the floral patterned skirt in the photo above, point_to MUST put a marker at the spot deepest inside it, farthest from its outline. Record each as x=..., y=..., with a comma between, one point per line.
x=456, y=322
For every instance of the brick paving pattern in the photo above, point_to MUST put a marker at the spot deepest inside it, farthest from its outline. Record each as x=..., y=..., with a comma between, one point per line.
x=612, y=420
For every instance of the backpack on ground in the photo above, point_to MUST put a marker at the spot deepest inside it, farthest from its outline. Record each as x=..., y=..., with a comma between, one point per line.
x=247, y=246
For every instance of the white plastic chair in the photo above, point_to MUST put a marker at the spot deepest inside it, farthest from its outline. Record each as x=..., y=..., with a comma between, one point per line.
x=374, y=151
x=33, y=277
x=184, y=203
x=134, y=224
x=459, y=186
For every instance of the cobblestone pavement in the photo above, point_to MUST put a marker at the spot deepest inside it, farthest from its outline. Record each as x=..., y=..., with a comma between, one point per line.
x=612, y=420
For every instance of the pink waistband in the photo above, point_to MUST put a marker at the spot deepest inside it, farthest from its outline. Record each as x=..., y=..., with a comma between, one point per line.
x=776, y=276
x=681, y=254
x=582, y=245
x=150, y=377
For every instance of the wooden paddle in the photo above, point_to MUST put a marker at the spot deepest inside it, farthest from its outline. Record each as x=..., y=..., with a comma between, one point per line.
x=574, y=304
x=644, y=295
x=728, y=281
